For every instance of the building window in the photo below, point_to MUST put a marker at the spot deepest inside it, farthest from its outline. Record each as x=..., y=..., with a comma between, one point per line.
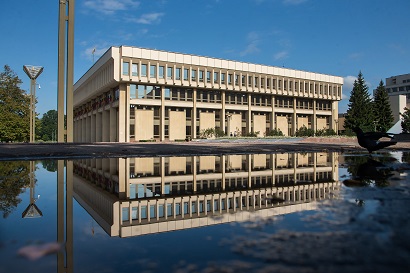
x=135, y=69
x=153, y=71
x=167, y=93
x=161, y=72
x=169, y=73
x=208, y=76
x=178, y=74
x=186, y=74
x=201, y=75
x=133, y=91
x=141, y=91
x=216, y=77
x=125, y=68
x=223, y=78
x=143, y=70
x=125, y=214
x=193, y=75
x=230, y=76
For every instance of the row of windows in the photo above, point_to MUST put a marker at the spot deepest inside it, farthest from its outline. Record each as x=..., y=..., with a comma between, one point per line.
x=187, y=74
x=186, y=208
x=398, y=89
x=217, y=119
x=214, y=96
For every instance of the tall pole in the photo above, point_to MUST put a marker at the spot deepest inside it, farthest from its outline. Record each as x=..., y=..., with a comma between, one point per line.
x=70, y=71
x=32, y=112
x=32, y=72
x=65, y=70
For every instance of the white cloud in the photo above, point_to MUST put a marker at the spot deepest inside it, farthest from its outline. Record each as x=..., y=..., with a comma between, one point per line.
x=253, y=44
x=110, y=6
x=94, y=52
x=148, y=18
x=348, y=85
x=281, y=55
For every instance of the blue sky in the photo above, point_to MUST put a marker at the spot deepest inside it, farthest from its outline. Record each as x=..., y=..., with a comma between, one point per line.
x=336, y=37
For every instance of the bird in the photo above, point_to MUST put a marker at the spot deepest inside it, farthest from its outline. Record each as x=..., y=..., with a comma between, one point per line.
x=371, y=140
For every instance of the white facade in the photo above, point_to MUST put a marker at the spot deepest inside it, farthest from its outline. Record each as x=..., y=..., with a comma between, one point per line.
x=134, y=94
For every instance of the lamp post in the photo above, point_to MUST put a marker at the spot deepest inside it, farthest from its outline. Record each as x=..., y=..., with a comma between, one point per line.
x=33, y=72
x=337, y=126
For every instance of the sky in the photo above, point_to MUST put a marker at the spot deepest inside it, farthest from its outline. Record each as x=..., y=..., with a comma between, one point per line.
x=334, y=37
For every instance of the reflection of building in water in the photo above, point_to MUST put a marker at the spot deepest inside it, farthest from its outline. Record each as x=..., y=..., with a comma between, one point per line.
x=135, y=196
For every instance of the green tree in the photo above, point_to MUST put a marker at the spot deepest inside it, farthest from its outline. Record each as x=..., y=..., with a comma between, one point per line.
x=383, y=115
x=405, y=122
x=360, y=108
x=48, y=126
x=14, y=108
x=14, y=178
x=304, y=132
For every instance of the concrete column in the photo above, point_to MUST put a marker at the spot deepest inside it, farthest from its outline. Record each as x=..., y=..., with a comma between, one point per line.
x=249, y=115
x=98, y=126
x=162, y=173
x=193, y=116
x=273, y=164
x=294, y=117
x=272, y=122
x=83, y=129
x=93, y=127
x=162, y=116
x=113, y=125
x=123, y=114
x=314, y=166
x=314, y=121
x=223, y=164
x=222, y=115
x=88, y=125
x=335, y=117
x=249, y=169
x=105, y=126
x=123, y=177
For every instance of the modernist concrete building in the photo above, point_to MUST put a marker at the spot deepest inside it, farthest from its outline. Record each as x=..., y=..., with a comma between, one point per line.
x=133, y=94
x=398, y=88
x=398, y=85
x=136, y=196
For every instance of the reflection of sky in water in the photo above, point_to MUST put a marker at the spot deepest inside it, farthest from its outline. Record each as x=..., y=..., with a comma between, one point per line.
x=293, y=242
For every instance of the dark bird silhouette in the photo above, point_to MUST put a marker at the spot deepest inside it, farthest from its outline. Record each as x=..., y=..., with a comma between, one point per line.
x=370, y=140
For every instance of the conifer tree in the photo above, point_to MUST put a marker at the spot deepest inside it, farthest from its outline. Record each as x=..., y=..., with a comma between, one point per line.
x=405, y=120
x=360, y=108
x=383, y=115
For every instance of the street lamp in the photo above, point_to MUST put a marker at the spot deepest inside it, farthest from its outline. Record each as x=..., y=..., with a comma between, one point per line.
x=32, y=211
x=32, y=72
x=337, y=126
